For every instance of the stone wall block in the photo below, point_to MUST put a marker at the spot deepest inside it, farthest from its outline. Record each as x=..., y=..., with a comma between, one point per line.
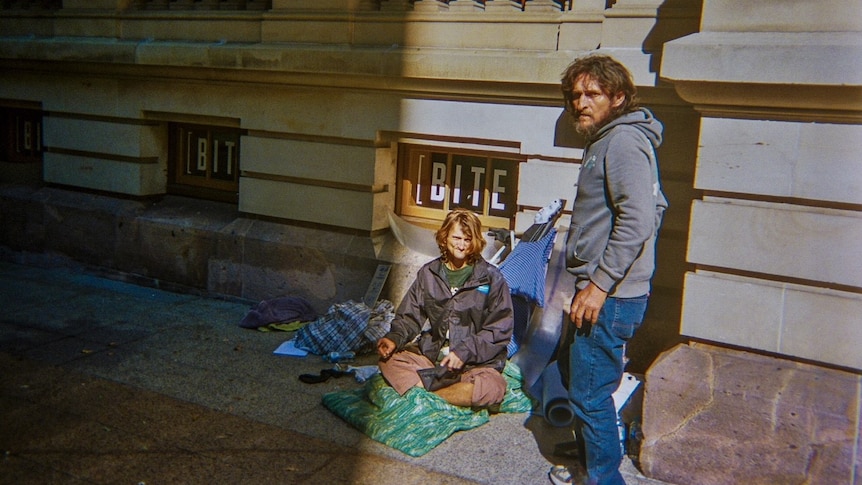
x=683, y=391
x=260, y=260
x=22, y=226
x=173, y=240
x=177, y=254
x=224, y=277
x=789, y=320
x=320, y=161
x=128, y=139
x=777, y=239
x=315, y=204
x=768, y=420
x=781, y=158
x=85, y=227
x=782, y=16
x=271, y=270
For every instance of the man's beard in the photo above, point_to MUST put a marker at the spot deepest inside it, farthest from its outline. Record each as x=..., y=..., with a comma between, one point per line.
x=587, y=132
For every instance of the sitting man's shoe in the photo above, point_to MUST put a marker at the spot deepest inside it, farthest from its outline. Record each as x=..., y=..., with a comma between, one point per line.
x=560, y=475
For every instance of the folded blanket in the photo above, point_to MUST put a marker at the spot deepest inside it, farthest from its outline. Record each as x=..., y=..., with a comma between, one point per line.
x=418, y=421
x=348, y=326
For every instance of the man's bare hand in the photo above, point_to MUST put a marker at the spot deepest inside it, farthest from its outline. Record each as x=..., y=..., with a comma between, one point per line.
x=452, y=361
x=587, y=304
x=385, y=348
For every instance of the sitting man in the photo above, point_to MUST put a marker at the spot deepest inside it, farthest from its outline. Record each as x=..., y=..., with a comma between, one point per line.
x=467, y=303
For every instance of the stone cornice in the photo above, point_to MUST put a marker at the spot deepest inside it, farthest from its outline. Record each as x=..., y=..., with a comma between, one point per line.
x=462, y=90
x=452, y=64
x=490, y=86
x=453, y=74
x=808, y=75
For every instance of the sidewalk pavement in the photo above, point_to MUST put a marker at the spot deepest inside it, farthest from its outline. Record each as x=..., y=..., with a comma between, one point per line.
x=105, y=381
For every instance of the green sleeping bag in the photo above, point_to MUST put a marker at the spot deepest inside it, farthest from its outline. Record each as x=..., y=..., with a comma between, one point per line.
x=418, y=421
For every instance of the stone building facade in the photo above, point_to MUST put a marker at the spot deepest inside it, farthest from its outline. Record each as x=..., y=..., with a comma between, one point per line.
x=257, y=148
x=774, y=248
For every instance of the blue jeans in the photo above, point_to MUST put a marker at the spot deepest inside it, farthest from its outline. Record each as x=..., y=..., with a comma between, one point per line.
x=595, y=370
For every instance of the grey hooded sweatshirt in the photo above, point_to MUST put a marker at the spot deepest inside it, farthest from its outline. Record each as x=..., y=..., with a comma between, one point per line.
x=618, y=208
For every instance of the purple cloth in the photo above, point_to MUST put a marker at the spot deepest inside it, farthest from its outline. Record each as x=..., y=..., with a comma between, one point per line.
x=281, y=309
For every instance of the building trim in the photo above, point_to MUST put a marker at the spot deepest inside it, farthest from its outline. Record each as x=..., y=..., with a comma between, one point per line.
x=329, y=140
x=100, y=118
x=330, y=184
x=102, y=156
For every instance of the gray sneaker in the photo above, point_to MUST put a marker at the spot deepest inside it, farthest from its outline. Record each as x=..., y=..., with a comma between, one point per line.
x=560, y=475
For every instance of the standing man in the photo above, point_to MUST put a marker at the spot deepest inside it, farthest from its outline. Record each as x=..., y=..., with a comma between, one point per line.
x=610, y=248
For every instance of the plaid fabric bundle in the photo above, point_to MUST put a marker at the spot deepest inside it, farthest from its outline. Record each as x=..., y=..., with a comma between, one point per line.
x=348, y=326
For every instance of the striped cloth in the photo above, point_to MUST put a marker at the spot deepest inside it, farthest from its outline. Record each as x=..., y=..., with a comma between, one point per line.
x=526, y=266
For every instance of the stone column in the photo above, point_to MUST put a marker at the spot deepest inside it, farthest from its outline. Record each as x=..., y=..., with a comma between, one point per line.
x=180, y=4
x=396, y=5
x=325, y=5
x=465, y=6
x=502, y=6
x=257, y=5
x=367, y=5
x=581, y=27
x=430, y=6
x=634, y=31
x=774, y=289
x=541, y=6
x=97, y=4
x=206, y=5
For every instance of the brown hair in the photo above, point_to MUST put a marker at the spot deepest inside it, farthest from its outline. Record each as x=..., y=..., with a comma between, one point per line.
x=472, y=227
x=611, y=76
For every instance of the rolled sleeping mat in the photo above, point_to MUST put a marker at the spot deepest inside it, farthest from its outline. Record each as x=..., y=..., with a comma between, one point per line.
x=556, y=406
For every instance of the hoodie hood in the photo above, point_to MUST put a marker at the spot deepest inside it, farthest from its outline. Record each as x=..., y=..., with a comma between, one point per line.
x=642, y=119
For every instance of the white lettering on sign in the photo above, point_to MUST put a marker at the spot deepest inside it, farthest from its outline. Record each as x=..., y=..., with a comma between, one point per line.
x=497, y=190
x=202, y=154
x=189, y=153
x=229, y=145
x=28, y=135
x=477, y=184
x=456, y=191
x=438, y=181
x=418, y=184
x=229, y=149
x=465, y=181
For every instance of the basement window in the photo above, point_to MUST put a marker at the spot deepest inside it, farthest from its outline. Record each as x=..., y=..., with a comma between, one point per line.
x=22, y=135
x=204, y=161
x=434, y=180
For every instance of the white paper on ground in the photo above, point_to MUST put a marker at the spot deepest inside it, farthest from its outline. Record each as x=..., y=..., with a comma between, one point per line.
x=289, y=348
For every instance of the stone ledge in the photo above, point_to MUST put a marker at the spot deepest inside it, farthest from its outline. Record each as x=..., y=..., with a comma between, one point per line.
x=766, y=58
x=201, y=245
x=815, y=75
x=467, y=64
